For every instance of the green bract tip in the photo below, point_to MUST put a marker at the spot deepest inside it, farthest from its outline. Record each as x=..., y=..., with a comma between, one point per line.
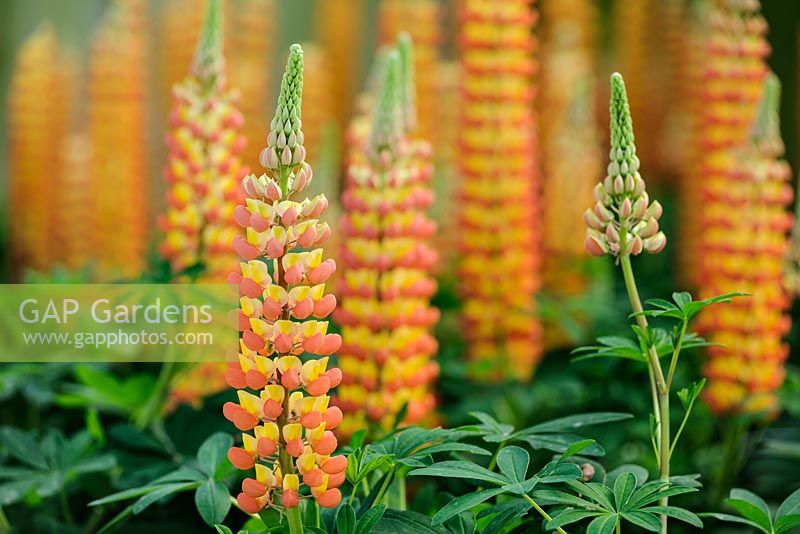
x=285, y=140
x=387, y=122
x=623, y=148
x=407, y=84
x=208, y=56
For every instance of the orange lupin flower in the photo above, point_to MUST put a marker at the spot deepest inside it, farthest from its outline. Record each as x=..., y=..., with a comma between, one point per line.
x=117, y=131
x=744, y=244
x=203, y=168
x=281, y=318
x=249, y=43
x=38, y=112
x=386, y=288
x=499, y=211
x=570, y=144
x=422, y=20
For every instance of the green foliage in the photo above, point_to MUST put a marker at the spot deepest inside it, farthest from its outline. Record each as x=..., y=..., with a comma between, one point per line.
x=624, y=498
x=205, y=474
x=44, y=468
x=754, y=512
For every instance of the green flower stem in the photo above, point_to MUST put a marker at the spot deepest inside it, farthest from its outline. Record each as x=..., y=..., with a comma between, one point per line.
x=493, y=461
x=659, y=384
x=295, y=520
x=674, y=362
x=619, y=526
x=542, y=512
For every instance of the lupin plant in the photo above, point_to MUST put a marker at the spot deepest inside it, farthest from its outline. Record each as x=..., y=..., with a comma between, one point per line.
x=747, y=245
x=38, y=102
x=204, y=168
x=117, y=124
x=624, y=223
x=287, y=423
x=499, y=211
x=386, y=314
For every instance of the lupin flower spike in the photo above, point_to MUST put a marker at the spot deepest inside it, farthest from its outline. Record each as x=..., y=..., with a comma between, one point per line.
x=283, y=400
x=623, y=221
x=386, y=316
x=204, y=165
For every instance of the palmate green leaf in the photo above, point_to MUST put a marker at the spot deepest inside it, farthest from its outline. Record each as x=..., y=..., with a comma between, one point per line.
x=787, y=523
x=513, y=462
x=689, y=394
x=492, y=430
x=503, y=514
x=602, y=525
x=462, y=523
x=555, y=472
x=458, y=469
x=94, y=464
x=464, y=502
x=790, y=505
x=370, y=519
x=560, y=443
x=624, y=486
x=575, y=448
x=675, y=512
x=212, y=501
x=570, y=516
x=693, y=308
x=574, y=422
x=346, y=520
x=598, y=493
x=213, y=452
x=638, y=471
x=734, y=519
x=457, y=447
x=690, y=481
x=23, y=447
x=561, y=497
x=158, y=493
x=406, y=522
x=610, y=347
x=643, y=520
x=750, y=506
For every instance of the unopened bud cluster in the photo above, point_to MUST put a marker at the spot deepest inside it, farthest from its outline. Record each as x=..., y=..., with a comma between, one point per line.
x=623, y=221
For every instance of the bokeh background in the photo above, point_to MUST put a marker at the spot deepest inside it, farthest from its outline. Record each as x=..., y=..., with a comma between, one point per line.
x=729, y=450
